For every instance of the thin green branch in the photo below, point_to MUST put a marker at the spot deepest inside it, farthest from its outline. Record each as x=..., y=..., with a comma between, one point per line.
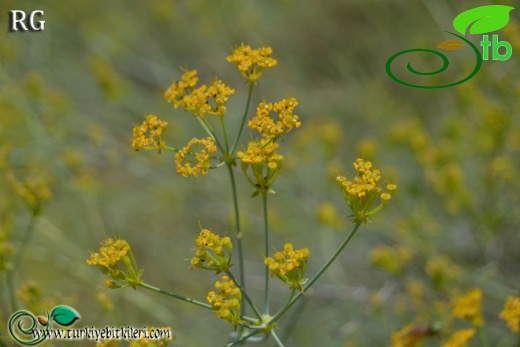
x=243, y=338
x=483, y=338
x=224, y=131
x=242, y=276
x=284, y=308
x=205, y=124
x=318, y=274
x=266, y=251
x=292, y=320
x=176, y=296
x=277, y=339
x=244, y=293
x=244, y=117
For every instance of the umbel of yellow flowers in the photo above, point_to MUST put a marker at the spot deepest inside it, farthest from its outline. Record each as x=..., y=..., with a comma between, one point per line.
x=289, y=265
x=115, y=259
x=363, y=190
x=211, y=252
x=225, y=302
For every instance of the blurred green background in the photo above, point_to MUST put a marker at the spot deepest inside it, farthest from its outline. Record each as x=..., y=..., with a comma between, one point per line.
x=70, y=95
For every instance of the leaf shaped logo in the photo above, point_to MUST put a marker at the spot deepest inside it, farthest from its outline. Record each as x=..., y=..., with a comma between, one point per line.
x=451, y=45
x=482, y=19
x=64, y=315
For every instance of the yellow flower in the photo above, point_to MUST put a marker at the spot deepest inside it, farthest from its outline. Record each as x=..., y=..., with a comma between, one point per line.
x=220, y=94
x=202, y=100
x=226, y=302
x=282, y=124
x=511, y=313
x=363, y=190
x=289, y=265
x=115, y=259
x=412, y=334
x=178, y=89
x=199, y=163
x=460, y=338
x=211, y=252
x=468, y=306
x=252, y=63
x=265, y=163
x=147, y=135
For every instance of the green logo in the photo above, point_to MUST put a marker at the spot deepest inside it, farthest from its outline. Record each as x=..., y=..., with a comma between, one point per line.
x=29, y=330
x=479, y=20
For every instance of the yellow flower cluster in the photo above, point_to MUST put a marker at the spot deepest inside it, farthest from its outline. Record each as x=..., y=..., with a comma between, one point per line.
x=468, y=306
x=511, y=313
x=175, y=92
x=264, y=161
x=361, y=192
x=285, y=122
x=412, y=334
x=365, y=182
x=202, y=100
x=289, y=265
x=226, y=303
x=34, y=190
x=199, y=164
x=148, y=134
x=252, y=63
x=211, y=252
x=115, y=259
x=460, y=338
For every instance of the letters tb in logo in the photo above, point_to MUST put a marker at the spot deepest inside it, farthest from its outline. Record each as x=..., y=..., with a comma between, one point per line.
x=18, y=20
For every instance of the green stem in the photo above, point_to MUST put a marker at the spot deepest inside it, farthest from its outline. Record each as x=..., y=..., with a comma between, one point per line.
x=243, y=338
x=318, y=274
x=483, y=338
x=211, y=133
x=248, y=299
x=277, y=339
x=266, y=251
x=176, y=296
x=224, y=131
x=291, y=321
x=284, y=308
x=190, y=300
x=243, y=117
x=238, y=231
x=170, y=148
